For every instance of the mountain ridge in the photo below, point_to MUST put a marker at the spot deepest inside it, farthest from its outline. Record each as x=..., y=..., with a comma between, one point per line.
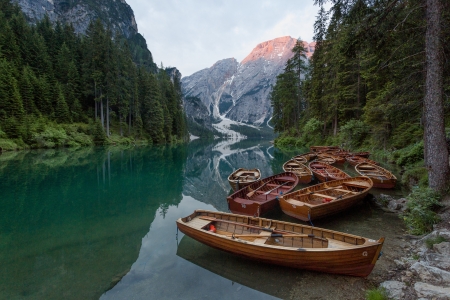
x=240, y=91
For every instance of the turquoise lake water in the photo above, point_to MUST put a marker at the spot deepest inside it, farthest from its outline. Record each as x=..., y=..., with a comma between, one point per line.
x=100, y=223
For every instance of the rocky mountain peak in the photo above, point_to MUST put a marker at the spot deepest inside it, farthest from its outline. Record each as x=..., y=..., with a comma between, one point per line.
x=240, y=92
x=271, y=50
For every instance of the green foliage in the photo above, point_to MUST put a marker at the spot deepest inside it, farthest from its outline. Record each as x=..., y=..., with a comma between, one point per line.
x=416, y=175
x=406, y=134
x=98, y=133
x=8, y=145
x=353, y=133
x=51, y=137
x=49, y=74
x=409, y=155
x=311, y=132
x=420, y=215
x=376, y=294
x=434, y=240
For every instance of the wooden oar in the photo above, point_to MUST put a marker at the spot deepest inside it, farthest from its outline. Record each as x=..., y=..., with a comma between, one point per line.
x=253, y=192
x=272, y=235
x=267, y=193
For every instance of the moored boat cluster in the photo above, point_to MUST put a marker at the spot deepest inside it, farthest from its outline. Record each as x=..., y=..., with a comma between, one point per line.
x=245, y=233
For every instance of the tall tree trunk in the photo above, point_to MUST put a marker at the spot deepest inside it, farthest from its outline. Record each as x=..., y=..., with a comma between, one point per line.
x=120, y=124
x=435, y=147
x=95, y=99
x=102, y=118
x=129, y=121
x=107, y=116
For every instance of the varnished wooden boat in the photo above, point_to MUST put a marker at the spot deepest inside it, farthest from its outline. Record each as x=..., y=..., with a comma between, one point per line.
x=304, y=158
x=362, y=154
x=242, y=177
x=283, y=243
x=354, y=160
x=261, y=196
x=324, y=148
x=325, y=159
x=337, y=159
x=325, y=199
x=325, y=172
x=303, y=173
x=381, y=177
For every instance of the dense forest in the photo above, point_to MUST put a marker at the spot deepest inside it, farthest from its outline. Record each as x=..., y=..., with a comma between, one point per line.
x=58, y=88
x=366, y=85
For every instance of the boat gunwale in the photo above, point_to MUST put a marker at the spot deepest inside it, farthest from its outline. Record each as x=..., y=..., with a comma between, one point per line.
x=367, y=241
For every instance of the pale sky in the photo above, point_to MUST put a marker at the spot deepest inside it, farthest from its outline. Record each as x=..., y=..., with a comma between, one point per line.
x=193, y=34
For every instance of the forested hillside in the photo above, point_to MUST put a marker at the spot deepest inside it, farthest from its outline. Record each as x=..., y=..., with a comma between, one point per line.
x=366, y=84
x=58, y=88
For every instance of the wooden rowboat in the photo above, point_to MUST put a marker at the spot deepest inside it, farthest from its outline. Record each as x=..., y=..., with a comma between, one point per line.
x=304, y=158
x=303, y=173
x=325, y=199
x=325, y=159
x=283, y=243
x=261, y=196
x=354, y=160
x=381, y=177
x=337, y=159
x=242, y=177
x=325, y=172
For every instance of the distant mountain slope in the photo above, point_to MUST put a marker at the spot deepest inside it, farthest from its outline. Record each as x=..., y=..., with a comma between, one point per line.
x=240, y=91
x=116, y=14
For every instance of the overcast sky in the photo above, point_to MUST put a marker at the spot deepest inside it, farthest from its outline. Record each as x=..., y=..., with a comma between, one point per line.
x=193, y=34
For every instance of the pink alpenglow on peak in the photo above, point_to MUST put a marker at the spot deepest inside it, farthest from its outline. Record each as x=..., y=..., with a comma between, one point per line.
x=277, y=48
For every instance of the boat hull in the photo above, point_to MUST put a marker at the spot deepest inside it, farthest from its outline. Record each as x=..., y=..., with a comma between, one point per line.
x=381, y=177
x=357, y=261
x=297, y=205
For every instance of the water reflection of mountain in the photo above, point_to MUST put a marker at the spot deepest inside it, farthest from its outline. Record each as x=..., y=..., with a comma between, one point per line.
x=208, y=167
x=71, y=221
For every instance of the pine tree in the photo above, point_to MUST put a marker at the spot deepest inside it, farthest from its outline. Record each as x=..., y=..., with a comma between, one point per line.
x=61, y=109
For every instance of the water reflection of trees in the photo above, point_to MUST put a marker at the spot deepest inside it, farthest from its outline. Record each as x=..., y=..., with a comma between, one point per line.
x=84, y=211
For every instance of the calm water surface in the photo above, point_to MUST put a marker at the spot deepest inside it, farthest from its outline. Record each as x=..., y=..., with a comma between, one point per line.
x=100, y=223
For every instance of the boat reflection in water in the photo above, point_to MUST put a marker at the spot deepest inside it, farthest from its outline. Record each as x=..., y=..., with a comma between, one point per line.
x=268, y=279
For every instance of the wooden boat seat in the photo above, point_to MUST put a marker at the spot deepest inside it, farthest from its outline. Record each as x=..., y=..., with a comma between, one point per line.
x=295, y=202
x=338, y=244
x=199, y=222
x=325, y=196
x=263, y=236
x=356, y=184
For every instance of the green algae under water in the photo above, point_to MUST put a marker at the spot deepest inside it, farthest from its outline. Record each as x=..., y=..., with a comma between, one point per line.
x=100, y=223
